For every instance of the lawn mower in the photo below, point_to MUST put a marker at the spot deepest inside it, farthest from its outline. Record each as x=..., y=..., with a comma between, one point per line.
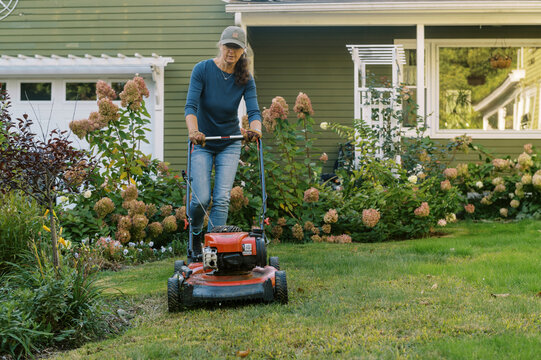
x=233, y=265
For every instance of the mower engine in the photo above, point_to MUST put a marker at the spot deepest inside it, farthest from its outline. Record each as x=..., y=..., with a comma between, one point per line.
x=234, y=252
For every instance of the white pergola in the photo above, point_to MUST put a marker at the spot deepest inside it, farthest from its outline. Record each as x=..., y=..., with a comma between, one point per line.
x=363, y=56
x=23, y=66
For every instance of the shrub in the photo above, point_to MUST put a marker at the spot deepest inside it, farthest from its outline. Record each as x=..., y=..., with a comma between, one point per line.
x=20, y=222
x=44, y=307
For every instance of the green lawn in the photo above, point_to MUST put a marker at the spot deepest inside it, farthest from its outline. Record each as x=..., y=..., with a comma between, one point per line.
x=428, y=299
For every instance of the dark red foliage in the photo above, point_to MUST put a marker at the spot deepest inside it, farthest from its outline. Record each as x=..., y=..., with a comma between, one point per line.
x=42, y=168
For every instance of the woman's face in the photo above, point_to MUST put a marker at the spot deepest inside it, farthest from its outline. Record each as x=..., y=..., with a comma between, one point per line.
x=231, y=53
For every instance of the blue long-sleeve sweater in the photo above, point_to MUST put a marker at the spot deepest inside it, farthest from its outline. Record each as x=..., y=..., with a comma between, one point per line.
x=213, y=97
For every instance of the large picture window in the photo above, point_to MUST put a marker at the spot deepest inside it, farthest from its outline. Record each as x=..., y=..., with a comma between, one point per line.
x=489, y=88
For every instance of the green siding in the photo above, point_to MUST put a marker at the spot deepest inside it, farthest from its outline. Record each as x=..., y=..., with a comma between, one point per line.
x=315, y=60
x=287, y=59
x=186, y=30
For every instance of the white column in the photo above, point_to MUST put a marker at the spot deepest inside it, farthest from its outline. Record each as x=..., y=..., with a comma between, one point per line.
x=158, y=77
x=421, y=70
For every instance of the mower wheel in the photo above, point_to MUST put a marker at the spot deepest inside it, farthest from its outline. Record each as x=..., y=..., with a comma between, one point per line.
x=178, y=266
x=280, y=287
x=273, y=261
x=173, y=294
x=225, y=229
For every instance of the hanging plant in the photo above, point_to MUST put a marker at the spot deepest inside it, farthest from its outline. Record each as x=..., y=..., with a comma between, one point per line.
x=500, y=61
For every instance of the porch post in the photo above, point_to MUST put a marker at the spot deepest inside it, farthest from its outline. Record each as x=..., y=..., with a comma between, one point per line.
x=421, y=102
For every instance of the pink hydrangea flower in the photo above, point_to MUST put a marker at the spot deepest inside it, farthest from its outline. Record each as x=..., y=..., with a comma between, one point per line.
x=450, y=173
x=445, y=185
x=331, y=216
x=423, y=210
x=528, y=148
x=311, y=195
x=442, y=222
x=324, y=157
x=371, y=217
x=103, y=90
x=303, y=106
x=470, y=208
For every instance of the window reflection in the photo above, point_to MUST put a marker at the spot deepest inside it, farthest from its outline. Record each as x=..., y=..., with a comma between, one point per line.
x=490, y=88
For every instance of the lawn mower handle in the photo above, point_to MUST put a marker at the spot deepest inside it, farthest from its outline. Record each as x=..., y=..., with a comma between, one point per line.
x=188, y=180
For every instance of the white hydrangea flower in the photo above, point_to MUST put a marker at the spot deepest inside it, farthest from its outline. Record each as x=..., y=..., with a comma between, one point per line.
x=479, y=184
x=125, y=251
x=413, y=179
x=87, y=194
x=324, y=125
x=62, y=199
x=151, y=244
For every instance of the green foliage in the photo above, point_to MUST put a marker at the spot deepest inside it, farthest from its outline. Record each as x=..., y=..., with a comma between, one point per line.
x=44, y=307
x=20, y=223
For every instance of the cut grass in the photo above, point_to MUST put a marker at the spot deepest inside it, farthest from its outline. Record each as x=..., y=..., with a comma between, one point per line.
x=425, y=298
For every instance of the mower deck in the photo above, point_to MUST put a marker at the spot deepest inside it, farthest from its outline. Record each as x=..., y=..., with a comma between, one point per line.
x=192, y=285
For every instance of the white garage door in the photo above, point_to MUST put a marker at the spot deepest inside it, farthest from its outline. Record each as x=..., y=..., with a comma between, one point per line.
x=52, y=103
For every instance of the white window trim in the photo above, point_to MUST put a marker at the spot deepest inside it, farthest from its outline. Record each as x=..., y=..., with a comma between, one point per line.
x=432, y=84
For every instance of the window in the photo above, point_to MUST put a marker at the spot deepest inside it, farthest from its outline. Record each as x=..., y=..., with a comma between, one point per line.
x=80, y=91
x=118, y=86
x=36, y=91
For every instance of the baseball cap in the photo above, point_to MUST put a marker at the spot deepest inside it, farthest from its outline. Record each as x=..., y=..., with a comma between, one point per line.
x=233, y=35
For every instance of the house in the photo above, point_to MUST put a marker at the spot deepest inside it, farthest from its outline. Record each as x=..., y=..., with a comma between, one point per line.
x=296, y=46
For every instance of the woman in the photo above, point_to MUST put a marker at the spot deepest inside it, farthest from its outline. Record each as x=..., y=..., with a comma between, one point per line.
x=216, y=88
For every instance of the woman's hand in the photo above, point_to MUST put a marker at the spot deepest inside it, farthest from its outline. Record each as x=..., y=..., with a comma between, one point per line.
x=251, y=134
x=197, y=138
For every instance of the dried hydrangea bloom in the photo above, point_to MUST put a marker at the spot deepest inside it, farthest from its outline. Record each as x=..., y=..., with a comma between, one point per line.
x=282, y=221
x=500, y=188
x=470, y=208
x=442, y=222
x=514, y=203
x=139, y=235
x=326, y=228
x=308, y=226
x=81, y=127
x=536, y=179
x=315, y=230
x=370, y=217
x=155, y=229
x=131, y=96
x=123, y=235
x=75, y=176
x=525, y=161
x=486, y=200
x=331, y=216
x=342, y=239
x=283, y=103
x=103, y=207
x=141, y=86
x=125, y=222
x=104, y=91
x=170, y=224
x=462, y=170
x=500, y=164
x=268, y=122
x=180, y=213
x=277, y=231
x=528, y=148
x=311, y=195
x=445, y=185
x=108, y=112
x=504, y=212
x=151, y=210
x=450, y=173
x=130, y=193
x=423, y=210
x=316, y=238
x=297, y=232
x=497, y=181
x=303, y=106
x=324, y=157
x=237, y=200
x=136, y=207
x=166, y=210
x=451, y=218
x=163, y=167
x=526, y=179
x=139, y=222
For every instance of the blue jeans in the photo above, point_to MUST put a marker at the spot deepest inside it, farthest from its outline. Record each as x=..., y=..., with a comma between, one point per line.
x=225, y=168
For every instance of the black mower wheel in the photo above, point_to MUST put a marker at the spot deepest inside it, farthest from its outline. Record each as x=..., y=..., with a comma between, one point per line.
x=274, y=262
x=226, y=229
x=178, y=266
x=280, y=287
x=173, y=294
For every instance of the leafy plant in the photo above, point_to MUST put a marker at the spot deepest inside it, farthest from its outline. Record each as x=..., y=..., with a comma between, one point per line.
x=41, y=168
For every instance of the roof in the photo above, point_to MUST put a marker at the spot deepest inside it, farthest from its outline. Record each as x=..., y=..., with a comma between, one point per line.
x=71, y=64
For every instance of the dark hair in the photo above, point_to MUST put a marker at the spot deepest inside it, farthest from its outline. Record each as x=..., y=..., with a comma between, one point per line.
x=242, y=74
